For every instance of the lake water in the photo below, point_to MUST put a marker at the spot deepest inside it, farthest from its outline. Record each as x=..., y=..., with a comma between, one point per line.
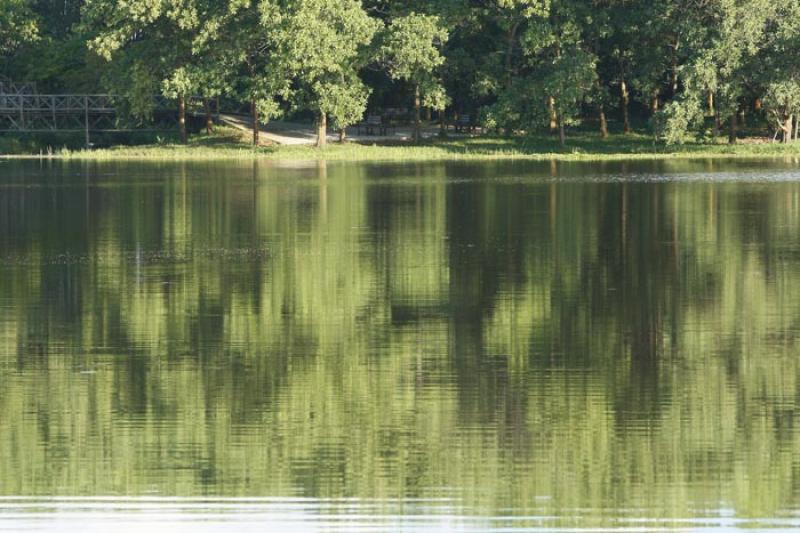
x=399, y=347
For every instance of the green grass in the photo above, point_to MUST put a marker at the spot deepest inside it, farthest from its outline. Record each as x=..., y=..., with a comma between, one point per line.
x=230, y=144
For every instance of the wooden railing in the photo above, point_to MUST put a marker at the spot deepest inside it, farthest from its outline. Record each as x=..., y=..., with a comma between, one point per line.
x=57, y=103
x=36, y=113
x=14, y=87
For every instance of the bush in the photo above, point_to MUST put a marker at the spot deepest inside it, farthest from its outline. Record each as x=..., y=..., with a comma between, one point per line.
x=678, y=121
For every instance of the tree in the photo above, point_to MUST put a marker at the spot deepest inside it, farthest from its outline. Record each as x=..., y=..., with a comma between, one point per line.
x=242, y=56
x=560, y=73
x=149, y=45
x=779, y=70
x=569, y=82
x=56, y=60
x=18, y=25
x=411, y=52
x=517, y=65
x=720, y=72
x=782, y=102
x=326, y=43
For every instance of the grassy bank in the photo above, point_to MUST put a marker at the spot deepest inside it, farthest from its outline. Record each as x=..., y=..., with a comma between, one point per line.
x=230, y=144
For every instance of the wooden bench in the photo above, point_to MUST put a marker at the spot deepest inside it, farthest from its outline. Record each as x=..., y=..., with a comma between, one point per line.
x=397, y=115
x=372, y=124
x=464, y=122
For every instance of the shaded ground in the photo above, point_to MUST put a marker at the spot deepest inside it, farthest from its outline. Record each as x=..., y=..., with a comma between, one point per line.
x=287, y=141
x=298, y=134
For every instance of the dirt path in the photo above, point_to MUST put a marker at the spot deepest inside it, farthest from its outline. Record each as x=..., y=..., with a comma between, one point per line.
x=292, y=133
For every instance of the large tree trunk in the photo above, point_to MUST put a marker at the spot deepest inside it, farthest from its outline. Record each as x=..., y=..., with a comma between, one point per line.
x=322, y=131
x=787, y=129
x=342, y=135
x=551, y=106
x=255, y=125
x=626, y=99
x=601, y=111
x=182, y=118
x=603, y=122
x=733, y=127
x=209, y=118
x=512, y=38
x=417, y=122
x=673, y=82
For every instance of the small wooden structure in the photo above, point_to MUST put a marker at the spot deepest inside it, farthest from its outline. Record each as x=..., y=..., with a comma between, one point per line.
x=21, y=111
x=373, y=124
x=55, y=112
x=464, y=123
x=11, y=87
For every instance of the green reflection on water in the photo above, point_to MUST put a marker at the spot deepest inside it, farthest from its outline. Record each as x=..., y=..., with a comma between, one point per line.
x=517, y=336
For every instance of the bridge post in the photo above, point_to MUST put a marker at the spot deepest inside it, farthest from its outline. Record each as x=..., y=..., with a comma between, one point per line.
x=86, y=119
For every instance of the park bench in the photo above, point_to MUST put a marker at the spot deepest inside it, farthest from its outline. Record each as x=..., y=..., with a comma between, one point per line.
x=397, y=115
x=373, y=124
x=464, y=122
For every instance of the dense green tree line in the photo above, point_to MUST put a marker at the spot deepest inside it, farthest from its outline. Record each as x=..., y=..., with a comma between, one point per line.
x=677, y=68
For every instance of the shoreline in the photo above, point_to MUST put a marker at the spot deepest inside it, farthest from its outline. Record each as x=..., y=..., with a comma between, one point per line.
x=585, y=148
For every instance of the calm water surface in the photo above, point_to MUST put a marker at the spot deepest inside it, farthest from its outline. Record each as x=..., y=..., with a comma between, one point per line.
x=385, y=347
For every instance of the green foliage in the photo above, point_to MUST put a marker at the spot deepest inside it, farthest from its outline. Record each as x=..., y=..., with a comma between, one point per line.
x=18, y=25
x=675, y=122
x=326, y=42
x=725, y=66
x=783, y=95
x=561, y=74
x=518, y=64
x=136, y=83
x=411, y=51
x=58, y=65
x=240, y=53
x=344, y=102
x=147, y=45
x=178, y=83
x=411, y=46
x=570, y=80
x=782, y=100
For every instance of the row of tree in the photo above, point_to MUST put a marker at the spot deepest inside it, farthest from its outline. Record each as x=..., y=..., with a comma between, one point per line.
x=686, y=66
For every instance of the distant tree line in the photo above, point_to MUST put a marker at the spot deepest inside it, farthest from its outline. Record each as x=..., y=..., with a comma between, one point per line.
x=679, y=68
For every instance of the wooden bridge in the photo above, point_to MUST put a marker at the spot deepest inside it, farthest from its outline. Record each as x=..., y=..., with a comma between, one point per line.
x=56, y=112
x=22, y=110
x=8, y=86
